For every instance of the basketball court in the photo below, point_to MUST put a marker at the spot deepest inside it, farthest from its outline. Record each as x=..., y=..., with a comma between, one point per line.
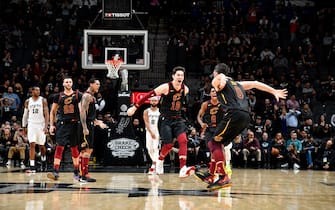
x=134, y=188
x=251, y=189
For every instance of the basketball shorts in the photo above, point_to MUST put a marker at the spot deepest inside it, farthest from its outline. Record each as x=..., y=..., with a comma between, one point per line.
x=67, y=133
x=35, y=133
x=87, y=141
x=170, y=128
x=232, y=125
x=150, y=142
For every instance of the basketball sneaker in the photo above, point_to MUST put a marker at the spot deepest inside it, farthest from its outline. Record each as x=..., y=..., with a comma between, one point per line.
x=9, y=164
x=186, y=171
x=228, y=170
x=22, y=165
x=151, y=171
x=204, y=176
x=53, y=175
x=31, y=170
x=221, y=182
x=160, y=167
x=76, y=175
x=87, y=178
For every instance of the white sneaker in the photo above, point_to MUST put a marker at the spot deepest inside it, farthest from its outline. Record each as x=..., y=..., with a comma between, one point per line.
x=8, y=164
x=22, y=166
x=160, y=167
x=186, y=171
x=151, y=170
x=296, y=166
x=284, y=165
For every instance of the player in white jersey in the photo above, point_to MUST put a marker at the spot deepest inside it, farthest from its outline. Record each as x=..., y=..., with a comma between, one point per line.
x=36, y=116
x=151, y=117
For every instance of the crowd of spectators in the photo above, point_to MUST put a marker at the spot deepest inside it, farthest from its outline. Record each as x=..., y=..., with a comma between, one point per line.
x=42, y=41
x=276, y=42
x=272, y=41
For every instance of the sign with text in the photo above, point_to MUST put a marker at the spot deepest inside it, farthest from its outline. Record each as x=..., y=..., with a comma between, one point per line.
x=117, y=10
x=122, y=148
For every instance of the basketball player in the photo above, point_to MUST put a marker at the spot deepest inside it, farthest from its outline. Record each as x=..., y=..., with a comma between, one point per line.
x=65, y=106
x=150, y=117
x=208, y=117
x=232, y=97
x=171, y=123
x=88, y=121
x=36, y=116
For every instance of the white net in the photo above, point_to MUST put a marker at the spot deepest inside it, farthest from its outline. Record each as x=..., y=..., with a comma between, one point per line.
x=113, y=68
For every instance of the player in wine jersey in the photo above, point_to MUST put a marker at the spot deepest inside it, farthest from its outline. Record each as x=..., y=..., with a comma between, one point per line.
x=171, y=122
x=209, y=115
x=64, y=122
x=88, y=121
x=232, y=97
x=36, y=116
x=151, y=117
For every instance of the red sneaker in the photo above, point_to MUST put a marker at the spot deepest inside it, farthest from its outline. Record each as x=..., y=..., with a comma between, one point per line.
x=186, y=171
x=222, y=182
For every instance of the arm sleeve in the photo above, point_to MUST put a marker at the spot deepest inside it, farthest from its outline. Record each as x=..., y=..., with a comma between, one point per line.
x=144, y=98
x=102, y=105
x=25, y=118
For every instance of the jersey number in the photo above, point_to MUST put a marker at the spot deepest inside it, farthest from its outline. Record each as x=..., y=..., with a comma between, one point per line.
x=176, y=105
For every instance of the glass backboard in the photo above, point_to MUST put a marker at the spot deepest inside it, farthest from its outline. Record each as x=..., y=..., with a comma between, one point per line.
x=102, y=45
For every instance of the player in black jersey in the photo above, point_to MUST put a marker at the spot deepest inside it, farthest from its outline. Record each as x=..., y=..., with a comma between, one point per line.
x=88, y=121
x=232, y=97
x=171, y=123
x=209, y=116
x=65, y=110
x=211, y=111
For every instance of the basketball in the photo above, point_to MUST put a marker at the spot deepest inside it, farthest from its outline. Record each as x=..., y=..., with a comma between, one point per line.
x=275, y=151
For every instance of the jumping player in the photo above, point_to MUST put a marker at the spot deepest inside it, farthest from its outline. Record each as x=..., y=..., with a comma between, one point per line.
x=88, y=121
x=36, y=116
x=65, y=107
x=171, y=123
x=151, y=117
x=232, y=97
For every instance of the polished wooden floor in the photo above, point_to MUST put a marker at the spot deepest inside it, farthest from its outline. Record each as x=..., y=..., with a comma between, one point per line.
x=252, y=189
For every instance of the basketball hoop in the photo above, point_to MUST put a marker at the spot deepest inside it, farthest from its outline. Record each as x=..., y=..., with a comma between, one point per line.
x=113, y=67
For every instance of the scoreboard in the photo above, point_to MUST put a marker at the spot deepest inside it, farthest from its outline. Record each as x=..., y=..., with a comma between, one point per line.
x=117, y=9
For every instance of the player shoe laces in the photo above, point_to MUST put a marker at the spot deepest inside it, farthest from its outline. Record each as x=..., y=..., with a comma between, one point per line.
x=186, y=171
x=221, y=182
